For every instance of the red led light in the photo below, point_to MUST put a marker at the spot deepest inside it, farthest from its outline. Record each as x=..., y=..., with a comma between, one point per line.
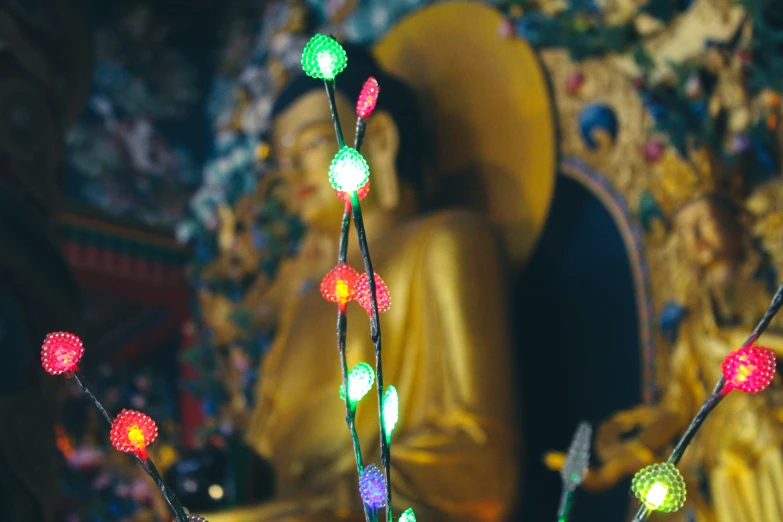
x=361, y=193
x=749, y=369
x=61, y=353
x=132, y=431
x=339, y=285
x=367, y=98
x=381, y=294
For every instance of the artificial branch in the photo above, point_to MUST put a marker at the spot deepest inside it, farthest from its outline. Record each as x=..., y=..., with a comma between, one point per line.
x=142, y=458
x=721, y=390
x=342, y=319
x=375, y=334
x=131, y=431
x=324, y=58
x=329, y=85
x=171, y=498
x=81, y=381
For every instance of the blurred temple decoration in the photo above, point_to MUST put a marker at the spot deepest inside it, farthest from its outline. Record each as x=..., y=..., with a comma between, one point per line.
x=131, y=153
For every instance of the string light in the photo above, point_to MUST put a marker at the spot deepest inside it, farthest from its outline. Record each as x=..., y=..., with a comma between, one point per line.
x=61, y=353
x=196, y=518
x=749, y=369
x=132, y=431
x=367, y=98
x=660, y=487
x=408, y=516
x=345, y=197
x=348, y=171
x=360, y=381
x=372, y=487
x=391, y=410
x=364, y=298
x=339, y=284
x=578, y=458
x=323, y=57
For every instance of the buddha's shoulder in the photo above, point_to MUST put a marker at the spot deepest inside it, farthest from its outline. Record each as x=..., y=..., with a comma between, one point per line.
x=452, y=221
x=444, y=231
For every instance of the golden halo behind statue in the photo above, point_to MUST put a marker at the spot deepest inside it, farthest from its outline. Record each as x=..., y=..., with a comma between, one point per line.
x=489, y=101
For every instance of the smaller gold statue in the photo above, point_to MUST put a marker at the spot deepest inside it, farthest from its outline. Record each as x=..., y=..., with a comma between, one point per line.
x=734, y=467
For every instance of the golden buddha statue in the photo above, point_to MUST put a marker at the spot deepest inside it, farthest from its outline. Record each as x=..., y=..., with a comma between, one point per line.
x=447, y=348
x=734, y=467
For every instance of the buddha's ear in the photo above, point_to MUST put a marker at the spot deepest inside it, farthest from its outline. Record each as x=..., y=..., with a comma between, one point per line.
x=381, y=145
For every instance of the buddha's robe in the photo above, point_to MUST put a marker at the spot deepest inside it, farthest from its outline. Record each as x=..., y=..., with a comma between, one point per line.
x=446, y=349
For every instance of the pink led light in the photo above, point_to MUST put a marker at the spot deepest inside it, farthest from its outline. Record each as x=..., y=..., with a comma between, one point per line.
x=382, y=295
x=61, y=353
x=367, y=98
x=749, y=369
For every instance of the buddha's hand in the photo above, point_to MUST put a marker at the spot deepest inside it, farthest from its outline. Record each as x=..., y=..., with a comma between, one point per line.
x=598, y=478
x=624, y=444
x=633, y=431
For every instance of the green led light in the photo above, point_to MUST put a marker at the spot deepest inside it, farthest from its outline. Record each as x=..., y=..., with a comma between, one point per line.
x=323, y=57
x=408, y=516
x=660, y=487
x=391, y=410
x=348, y=172
x=360, y=381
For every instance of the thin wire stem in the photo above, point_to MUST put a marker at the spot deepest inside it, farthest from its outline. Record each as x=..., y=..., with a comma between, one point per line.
x=642, y=515
x=564, y=510
x=344, y=229
x=375, y=334
x=146, y=463
x=361, y=124
x=329, y=84
x=171, y=498
x=679, y=450
x=350, y=412
x=717, y=395
x=712, y=401
x=82, y=382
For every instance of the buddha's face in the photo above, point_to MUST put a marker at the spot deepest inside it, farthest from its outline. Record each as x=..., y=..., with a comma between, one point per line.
x=304, y=146
x=711, y=236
